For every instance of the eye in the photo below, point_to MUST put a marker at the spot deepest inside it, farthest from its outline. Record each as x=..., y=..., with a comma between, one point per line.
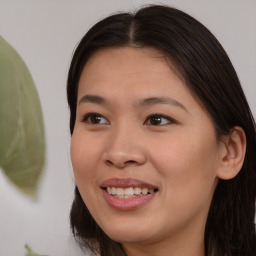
x=94, y=118
x=158, y=119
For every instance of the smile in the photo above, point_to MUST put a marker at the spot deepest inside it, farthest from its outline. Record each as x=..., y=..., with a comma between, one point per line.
x=127, y=194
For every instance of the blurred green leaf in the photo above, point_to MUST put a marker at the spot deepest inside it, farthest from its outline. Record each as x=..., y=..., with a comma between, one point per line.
x=30, y=252
x=22, y=138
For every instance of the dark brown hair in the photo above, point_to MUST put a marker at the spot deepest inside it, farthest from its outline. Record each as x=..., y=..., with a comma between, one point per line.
x=211, y=78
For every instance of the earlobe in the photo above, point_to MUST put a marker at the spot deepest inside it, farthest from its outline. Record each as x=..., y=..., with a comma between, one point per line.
x=232, y=153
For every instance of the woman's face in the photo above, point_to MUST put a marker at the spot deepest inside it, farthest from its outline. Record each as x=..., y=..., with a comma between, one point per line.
x=144, y=151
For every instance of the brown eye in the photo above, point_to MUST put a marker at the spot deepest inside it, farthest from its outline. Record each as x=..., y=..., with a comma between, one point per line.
x=158, y=120
x=94, y=118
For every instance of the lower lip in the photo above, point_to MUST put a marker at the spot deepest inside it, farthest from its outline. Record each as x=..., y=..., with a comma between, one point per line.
x=127, y=204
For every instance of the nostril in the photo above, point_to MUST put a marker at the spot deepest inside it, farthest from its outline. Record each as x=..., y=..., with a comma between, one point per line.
x=108, y=162
x=130, y=162
x=116, y=163
x=120, y=164
x=121, y=159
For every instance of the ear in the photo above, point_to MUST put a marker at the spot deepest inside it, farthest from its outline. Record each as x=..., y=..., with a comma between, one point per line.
x=232, y=153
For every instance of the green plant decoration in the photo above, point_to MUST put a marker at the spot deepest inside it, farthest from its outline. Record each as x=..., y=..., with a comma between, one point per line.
x=22, y=138
x=30, y=252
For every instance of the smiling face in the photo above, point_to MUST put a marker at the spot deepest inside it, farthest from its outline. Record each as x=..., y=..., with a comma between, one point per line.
x=138, y=128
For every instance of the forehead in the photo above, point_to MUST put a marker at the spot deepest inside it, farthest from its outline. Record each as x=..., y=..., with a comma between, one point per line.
x=132, y=74
x=110, y=65
x=126, y=59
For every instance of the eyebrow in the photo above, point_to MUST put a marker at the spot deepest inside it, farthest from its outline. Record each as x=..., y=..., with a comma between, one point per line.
x=93, y=99
x=145, y=102
x=162, y=100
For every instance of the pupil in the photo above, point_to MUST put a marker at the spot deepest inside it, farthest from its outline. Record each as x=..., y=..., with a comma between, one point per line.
x=155, y=120
x=95, y=119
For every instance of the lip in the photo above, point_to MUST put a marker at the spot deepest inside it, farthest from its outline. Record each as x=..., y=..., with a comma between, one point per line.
x=127, y=204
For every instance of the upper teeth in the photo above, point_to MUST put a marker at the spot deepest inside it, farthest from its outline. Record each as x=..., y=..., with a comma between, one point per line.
x=128, y=192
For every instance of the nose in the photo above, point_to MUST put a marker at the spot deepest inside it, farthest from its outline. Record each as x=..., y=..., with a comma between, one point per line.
x=124, y=148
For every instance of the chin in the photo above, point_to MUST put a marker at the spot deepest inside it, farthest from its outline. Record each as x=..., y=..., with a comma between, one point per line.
x=128, y=238
x=127, y=233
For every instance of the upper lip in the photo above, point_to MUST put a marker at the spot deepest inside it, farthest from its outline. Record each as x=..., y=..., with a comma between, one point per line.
x=126, y=183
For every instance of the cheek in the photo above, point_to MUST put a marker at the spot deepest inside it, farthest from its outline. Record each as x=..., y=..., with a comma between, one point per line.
x=187, y=169
x=84, y=161
x=186, y=162
x=84, y=157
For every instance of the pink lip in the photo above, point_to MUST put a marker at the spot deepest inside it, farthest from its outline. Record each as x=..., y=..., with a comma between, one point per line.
x=127, y=204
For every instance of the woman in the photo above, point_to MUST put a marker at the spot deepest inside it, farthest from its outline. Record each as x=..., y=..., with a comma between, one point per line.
x=163, y=140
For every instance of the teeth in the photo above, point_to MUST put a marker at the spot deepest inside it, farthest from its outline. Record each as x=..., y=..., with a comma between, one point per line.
x=144, y=191
x=113, y=191
x=128, y=192
x=137, y=191
x=120, y=192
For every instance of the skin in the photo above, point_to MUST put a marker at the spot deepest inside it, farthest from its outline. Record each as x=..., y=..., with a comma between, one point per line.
x=180, y=155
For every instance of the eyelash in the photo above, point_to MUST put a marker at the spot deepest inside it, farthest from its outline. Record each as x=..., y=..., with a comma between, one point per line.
x=88, y=116
x=158, y=116
x=87, y=119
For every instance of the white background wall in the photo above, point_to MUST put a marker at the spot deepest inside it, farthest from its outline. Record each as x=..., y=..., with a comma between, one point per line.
x=45, y=32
